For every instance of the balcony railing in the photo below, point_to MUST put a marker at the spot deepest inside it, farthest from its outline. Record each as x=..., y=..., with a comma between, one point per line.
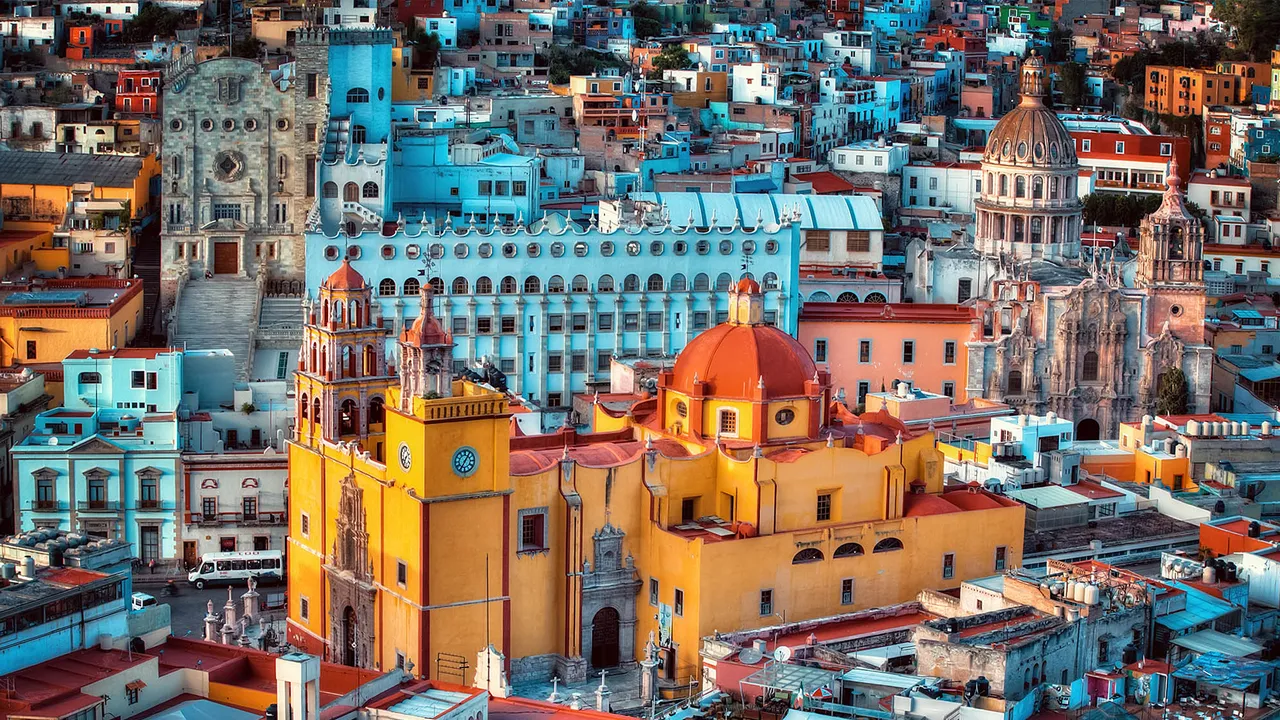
x=154, y=504
x=46, y=505
x=98, y=506
x=262, y=517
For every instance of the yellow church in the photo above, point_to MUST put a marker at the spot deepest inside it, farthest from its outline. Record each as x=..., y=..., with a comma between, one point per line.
x=424, y=527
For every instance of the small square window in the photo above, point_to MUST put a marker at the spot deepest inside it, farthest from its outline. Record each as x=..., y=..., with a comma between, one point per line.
x=402, y=573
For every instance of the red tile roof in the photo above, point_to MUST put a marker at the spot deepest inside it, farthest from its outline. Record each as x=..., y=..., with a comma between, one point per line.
x=825, y=183
x=130, y=353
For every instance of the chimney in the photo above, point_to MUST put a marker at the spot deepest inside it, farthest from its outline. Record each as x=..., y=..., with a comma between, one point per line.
x=298, y=686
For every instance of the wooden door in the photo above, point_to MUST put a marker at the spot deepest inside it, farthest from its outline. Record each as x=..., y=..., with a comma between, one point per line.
x=189, y=559
x=226, y=258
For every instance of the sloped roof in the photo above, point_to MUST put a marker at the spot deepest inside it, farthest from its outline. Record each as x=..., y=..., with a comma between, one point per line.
x=66, y=169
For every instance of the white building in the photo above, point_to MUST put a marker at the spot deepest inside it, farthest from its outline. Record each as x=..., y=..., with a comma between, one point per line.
x=23, y=32
x=445, y=28
x=1227, y=200
x=874, y=156
x=855, y=48
x=121, y=10
x=950, y=185
x=756, y=82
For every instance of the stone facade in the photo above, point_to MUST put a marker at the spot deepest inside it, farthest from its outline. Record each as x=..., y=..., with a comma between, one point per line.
x=351, y=589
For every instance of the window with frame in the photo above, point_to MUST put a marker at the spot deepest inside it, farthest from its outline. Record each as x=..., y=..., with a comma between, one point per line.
x=846, y=591
x=507, y=324
x=824, y=507
x=949, y=389
x=948, y=566
x=209, y=507
x=653, y=591
x=679, y=602
x=304, y=608
x=653, y=321
x=604, y=322
x=131, y=693
x=818, y=240
x=728, y=423
x=766, y=603
x=555, y=323
x=533, y=530
x=949, y=352
x=137, y=379
x=578, y=362
x=402, y=573
x=864, y=351
x=820, y=350
x=555, y=362
x=304, y=524
x=484, y=325
x=858, y=241
x=631, y=322
x=1002, y=554
x=908, y=351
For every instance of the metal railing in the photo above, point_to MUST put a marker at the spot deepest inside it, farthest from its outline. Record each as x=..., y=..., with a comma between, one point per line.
x=98, y=506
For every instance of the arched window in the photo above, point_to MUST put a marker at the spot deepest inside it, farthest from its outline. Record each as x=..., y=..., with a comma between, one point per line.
x=315, y=410
x=350, y=192
x=819, y=296
x=348, y=418
x=1014, y=383
x=1019, y=229
x=1053, y=188
x=411, y=287
x=370, y=361
x=348, y=362
x=1037, y=188
x=1089, y=367
x=678, y=283
x=605, y=284
x=701, y=282
x=875, y=297
x=991, y=182
x=1004, y=184
x=532, y=285
x=304, y=407
x=370, y=190
x=724, y=281
x=1037, y=229
x=437, y=286
x=888, y=545
x=1020, y=186
x=377, y=413
x=357, y=95
x=484, y=286
x=386, y=287
x=337, y=312
x=807, y=555
x=847, y=297
x=580, y=284
x=849, y=550
x=311, y=366
x=353, y=314
x=654, y=283
x=507, y=286
x=769, y=281
x=330, y=190
x=555, y=284
x=459, y=286
x=357, y=135
x=631, y=283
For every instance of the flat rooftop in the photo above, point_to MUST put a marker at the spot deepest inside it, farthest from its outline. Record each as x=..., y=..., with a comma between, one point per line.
x=1134, y=527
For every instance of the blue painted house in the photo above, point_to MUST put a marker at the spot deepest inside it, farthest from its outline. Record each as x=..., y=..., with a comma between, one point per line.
x=1262, y=140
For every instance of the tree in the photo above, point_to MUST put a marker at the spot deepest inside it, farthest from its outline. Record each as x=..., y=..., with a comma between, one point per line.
x=1171, y=392
x=1256, y=22
x=567, y=61
x=153, y=20
x=1059, y=44
x=1071, y=81
x=249, y=47
x=648, y=19
x=426, y=47
x=672, y=57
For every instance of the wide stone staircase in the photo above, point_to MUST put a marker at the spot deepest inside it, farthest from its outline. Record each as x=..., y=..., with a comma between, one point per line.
x=281, y=312
x=219, y=313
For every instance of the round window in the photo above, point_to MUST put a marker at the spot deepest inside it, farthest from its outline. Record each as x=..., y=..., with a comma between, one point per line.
x=606, y=248
x=508, y=250
x=250, y=124
x=533, y=249
x=557, y=249
x=486, y=250
x=331, y=252
x=1039, y=151
x=437, y=251
x=460, y=250
x=1175, y=310
x=681, y=409
x=412, y=251
x=228, y=124
x=655, y=247
x=681, y=247
x=206, y=124
x=175, y=124
x=353, y=252
x=633, y=248
x=784, y=416
x=388, y=252
x=771, y=247
x=580, y=249
x=282, y=124
x=382, y=92
x=1007, y=147
x=1053, y=151
x=704, y=247
x=1022, y=149
x=726, y=247
x=749, y=247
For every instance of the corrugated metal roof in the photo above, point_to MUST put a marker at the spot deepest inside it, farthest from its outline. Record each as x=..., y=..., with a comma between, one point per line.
x=66, y=169
x=1258, y=374
x=1212, y=641
x=817, y=212
x=1049, y=496
x=1201, y=608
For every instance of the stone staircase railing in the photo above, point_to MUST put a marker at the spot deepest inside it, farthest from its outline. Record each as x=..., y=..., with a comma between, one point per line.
x=363, y=212
x=171, y=321
x=259, y=290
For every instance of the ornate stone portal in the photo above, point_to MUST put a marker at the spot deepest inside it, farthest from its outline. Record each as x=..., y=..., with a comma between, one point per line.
x=351, y=590
x=609, y=603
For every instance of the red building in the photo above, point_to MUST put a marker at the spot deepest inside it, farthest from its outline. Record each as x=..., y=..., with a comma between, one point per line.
x=138, y=92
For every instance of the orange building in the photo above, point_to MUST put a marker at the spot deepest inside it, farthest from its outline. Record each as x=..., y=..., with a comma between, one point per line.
x=1217, y=137
x=1227, y=536
x=1188, y=91
x=1247, y=75
x=867, y=347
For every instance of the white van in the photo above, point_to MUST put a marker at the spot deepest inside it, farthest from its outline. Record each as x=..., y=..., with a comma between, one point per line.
x=142, y=600
x=237, y=567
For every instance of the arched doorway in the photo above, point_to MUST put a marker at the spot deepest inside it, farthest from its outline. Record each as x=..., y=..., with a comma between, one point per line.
x=1088, y=429
x=604, y=638
x=349, y=637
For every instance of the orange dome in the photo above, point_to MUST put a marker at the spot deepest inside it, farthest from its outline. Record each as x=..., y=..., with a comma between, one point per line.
x=732, y=358
x=748, y=285
x=345, y=278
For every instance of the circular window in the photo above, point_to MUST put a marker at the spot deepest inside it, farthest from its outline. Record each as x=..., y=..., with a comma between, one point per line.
x=1039, y=151
x=228, y=124
x=460, y=250
x=282, y=124
x=175, y=124
x=726, y=247
x=681, y=247
x=771, y=247
x=388, y=252
x=580, y=249
x=508, y=250
x=1053, y=150
x=250, y=124
x=606, y=248
x=412, y=251
x=1022, y=149
x=1007, y=147
x=784, y=416
x=353, y=252
x=206, y=124
x=749, y=247
x=533, y=249
x=703, y=247
x=656, y=247
x=382, y=92
x=486, y=250
x=1175, y=310
x=331, y=252
x=557, y=249
x=633, y=248
x=681, y=409
x=437, y=251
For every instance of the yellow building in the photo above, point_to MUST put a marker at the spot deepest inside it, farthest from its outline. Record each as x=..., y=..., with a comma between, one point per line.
x=36, y=187
x=739, y=497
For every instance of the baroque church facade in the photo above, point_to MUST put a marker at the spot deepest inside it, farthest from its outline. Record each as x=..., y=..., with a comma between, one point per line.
x=1057, y=330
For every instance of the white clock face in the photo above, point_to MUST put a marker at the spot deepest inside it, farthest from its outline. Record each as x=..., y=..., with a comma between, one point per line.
x=406, y=456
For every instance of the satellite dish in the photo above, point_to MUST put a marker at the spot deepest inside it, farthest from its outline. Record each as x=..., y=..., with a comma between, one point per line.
x=53, y=440
x=782, y=654
x=750, y=656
